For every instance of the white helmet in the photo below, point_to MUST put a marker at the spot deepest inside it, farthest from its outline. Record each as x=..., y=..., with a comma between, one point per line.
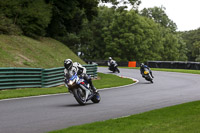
x=142, y=65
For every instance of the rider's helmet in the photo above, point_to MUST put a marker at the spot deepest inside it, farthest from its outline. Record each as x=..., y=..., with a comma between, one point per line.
x=110, y=58
x=142, y=65
x=68, y=64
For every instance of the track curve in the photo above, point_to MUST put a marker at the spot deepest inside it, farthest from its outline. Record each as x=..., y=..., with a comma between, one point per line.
x=47, y=113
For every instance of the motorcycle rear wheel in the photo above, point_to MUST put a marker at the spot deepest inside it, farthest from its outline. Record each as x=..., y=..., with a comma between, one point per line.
x=118, y=70
x=96, y=98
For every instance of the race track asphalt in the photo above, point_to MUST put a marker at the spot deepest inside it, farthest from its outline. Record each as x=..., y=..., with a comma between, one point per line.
x=48, y=113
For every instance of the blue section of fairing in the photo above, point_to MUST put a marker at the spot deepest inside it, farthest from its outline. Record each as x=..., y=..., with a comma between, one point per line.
x=145, y=66
x=73, y=77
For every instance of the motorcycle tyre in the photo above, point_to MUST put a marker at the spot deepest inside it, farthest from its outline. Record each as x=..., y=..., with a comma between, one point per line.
x=77, y=97
x=117, y=70
x=149, y=79
x=95, y=99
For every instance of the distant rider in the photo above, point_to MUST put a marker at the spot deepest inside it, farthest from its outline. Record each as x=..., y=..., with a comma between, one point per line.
x=111, y=61
x=142, y=66
x=112, y=65
x=71, y=68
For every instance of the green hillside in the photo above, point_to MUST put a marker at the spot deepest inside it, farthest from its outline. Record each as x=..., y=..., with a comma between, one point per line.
x=22, y=51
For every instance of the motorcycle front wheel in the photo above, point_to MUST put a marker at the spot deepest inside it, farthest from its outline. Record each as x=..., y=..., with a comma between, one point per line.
x=79, y=96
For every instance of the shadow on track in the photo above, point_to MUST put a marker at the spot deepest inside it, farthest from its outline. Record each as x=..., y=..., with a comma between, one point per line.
x=145, y=82
x=74, y=105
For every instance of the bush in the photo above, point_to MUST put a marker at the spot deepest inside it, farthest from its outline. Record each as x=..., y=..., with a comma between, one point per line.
x=197, y=59
x=7, y=26
x=31, y=16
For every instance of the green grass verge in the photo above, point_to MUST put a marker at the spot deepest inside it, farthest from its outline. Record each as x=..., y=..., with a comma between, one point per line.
x=104, y=81
x=110, y=80
x=169, y=70
x=184, y=118
x=177, y=70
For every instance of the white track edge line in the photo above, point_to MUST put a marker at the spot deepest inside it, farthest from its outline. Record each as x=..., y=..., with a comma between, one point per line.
x=136, y=81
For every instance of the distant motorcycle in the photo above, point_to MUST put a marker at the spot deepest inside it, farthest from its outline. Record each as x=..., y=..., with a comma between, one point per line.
x=82, y=90
x=147, y=75
x=114, y=67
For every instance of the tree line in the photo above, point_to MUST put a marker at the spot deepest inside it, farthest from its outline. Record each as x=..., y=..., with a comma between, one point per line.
x=192, y=40
x=97, y=32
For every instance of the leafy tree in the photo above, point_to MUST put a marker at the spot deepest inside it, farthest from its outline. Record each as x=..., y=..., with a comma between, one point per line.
x=32, y=16
x=159, y=16
x=68, y=17
x=192, y=39
x=196, y=50
x=170, y=46
x=123, y=3
x=7, y=26
x=132, y=37
x=94, y=48
x=125, y=35
x=183, y=50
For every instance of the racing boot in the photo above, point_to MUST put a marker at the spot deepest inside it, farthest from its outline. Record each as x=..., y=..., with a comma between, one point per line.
x=89, y=80
x=93, y=88
x=151, y=75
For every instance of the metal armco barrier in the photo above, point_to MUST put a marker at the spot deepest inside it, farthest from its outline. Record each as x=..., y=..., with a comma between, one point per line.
x=52, y=77
x=20, y=77
x=13, y=77
x=174, y=65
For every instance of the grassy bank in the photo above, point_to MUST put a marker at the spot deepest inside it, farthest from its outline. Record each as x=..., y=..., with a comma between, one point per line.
x=21, y=51
x=184, y=118
x=104, y=81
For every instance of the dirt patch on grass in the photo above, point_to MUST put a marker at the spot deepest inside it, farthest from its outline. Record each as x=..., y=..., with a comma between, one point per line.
x=25, y=58
x=22, y=60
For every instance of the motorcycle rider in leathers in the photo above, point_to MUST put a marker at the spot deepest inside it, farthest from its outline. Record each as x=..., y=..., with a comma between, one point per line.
x=142, y=66
x=71, y=68
x=112, y=64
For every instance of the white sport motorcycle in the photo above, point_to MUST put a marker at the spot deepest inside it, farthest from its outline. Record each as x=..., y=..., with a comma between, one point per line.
x=82, y=90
